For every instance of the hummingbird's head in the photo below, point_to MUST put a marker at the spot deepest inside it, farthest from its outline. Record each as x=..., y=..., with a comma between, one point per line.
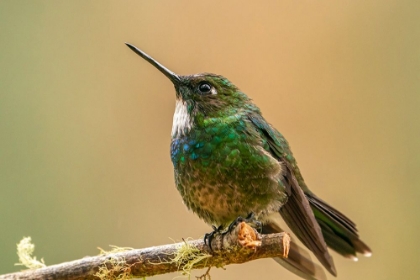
x=209, y=94
x=206, y=94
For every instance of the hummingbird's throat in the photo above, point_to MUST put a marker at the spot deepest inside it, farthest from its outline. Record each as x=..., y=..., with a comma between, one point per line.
x=182, y=120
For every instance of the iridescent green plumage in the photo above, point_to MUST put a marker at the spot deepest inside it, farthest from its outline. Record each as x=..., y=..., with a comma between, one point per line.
x=228, y=162
x=221, y=167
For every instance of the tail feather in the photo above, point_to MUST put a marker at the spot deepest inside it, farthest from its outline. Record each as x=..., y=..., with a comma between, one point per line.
x=335, y=242
x=298, y=261
x=301, y=265
x=340, y=233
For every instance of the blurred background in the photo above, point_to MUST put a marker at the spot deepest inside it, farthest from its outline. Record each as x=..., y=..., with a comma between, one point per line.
x=85, y=123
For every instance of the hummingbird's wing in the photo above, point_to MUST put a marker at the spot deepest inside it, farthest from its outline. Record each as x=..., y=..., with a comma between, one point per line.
x=298, y=260
x=339, y=232
x=296, y=212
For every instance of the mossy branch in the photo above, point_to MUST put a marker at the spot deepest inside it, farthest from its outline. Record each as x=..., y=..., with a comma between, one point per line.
x=241, y=245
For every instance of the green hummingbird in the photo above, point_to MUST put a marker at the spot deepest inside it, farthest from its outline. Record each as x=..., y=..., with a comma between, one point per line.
x=230, y=162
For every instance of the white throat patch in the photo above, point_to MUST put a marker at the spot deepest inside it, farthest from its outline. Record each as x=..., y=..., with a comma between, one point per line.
x=181, y=122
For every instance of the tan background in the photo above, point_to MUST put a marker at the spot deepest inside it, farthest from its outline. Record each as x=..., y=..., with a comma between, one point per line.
x=85, y=123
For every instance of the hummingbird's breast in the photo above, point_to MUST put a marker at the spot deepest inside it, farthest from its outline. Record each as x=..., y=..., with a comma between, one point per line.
x=222, y=171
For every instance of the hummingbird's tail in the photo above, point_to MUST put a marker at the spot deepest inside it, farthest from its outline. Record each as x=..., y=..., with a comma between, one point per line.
x=339, y=232
x=298, y=261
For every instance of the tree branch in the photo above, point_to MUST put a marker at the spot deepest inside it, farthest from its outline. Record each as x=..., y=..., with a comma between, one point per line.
x=240, y=245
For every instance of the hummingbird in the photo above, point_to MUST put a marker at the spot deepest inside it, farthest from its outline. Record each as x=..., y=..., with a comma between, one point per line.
x=230, y=162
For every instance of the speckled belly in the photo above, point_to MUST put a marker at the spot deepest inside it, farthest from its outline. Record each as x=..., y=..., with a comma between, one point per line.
x=221, y=181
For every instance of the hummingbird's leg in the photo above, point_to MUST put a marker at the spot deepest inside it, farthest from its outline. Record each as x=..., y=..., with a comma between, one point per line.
x=234, y=224
x=253, y=221
x=250, y=220
x=208, y=237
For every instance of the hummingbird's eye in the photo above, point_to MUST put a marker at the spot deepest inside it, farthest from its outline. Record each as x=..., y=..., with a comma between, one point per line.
x=204, y=87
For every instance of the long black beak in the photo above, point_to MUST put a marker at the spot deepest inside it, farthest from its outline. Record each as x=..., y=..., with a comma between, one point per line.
x=168, y=73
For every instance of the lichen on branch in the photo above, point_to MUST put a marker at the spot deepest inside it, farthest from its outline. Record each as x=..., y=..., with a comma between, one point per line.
x=241, y=244
x=25, y=249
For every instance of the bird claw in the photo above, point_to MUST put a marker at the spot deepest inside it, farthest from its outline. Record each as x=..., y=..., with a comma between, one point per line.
x=208, y=237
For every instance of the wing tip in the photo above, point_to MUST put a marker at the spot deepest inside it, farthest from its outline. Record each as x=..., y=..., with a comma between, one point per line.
x=367, y=254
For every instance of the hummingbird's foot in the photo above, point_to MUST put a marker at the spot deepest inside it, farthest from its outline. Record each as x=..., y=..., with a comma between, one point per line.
x=208, y=237
x=250, y=219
